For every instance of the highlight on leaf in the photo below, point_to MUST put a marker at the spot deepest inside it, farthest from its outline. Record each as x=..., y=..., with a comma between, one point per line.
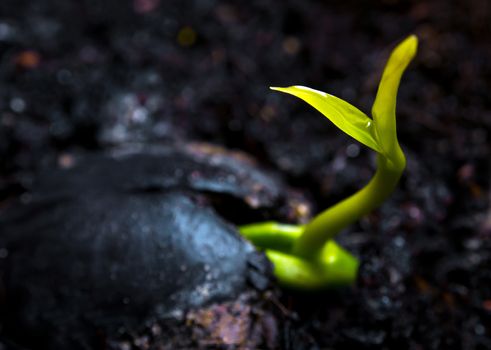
x=345, y=116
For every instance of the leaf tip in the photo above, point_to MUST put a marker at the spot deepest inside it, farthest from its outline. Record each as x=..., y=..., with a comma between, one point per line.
x=276, y=88
x=412, y=44
x=407, y=49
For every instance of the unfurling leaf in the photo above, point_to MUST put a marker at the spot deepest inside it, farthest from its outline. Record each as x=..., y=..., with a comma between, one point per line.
x=346, y=117
x=384, y=107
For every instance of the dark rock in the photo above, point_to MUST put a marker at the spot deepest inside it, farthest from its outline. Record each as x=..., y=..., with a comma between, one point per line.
x=116, y=240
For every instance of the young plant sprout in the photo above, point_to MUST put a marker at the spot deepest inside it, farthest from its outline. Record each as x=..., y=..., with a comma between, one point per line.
x=305, y=256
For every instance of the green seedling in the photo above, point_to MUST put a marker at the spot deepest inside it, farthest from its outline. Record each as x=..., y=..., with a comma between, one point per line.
x=306, y=256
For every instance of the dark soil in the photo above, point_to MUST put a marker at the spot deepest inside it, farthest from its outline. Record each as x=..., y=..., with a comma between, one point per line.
x=80, y=78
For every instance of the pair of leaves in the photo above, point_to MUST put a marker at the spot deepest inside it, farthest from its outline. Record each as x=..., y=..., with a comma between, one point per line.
x=378, y=133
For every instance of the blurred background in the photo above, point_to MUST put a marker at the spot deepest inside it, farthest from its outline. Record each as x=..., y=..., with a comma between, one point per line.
x=79, y=76
x=87, y=74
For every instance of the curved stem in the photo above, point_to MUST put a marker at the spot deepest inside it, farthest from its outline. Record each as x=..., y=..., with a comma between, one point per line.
x=328, y=223
x=336, y=267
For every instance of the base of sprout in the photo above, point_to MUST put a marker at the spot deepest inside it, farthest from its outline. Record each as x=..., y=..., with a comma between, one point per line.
x=332, y=267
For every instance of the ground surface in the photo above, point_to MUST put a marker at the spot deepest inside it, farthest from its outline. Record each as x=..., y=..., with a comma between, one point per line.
x=79, y=76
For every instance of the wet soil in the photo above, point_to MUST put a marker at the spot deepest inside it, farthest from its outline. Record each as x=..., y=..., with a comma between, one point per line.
x=79, y=78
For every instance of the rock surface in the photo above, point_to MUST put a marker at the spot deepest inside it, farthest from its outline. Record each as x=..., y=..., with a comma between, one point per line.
x=115, y=240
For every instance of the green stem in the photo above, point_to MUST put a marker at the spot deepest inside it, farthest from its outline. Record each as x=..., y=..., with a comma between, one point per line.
x=272, y=235
x=336, y=267
x=328, y=223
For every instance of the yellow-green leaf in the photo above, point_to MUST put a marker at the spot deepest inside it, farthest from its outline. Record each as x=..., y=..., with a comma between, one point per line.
x=342, y=114
x=384, y=107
